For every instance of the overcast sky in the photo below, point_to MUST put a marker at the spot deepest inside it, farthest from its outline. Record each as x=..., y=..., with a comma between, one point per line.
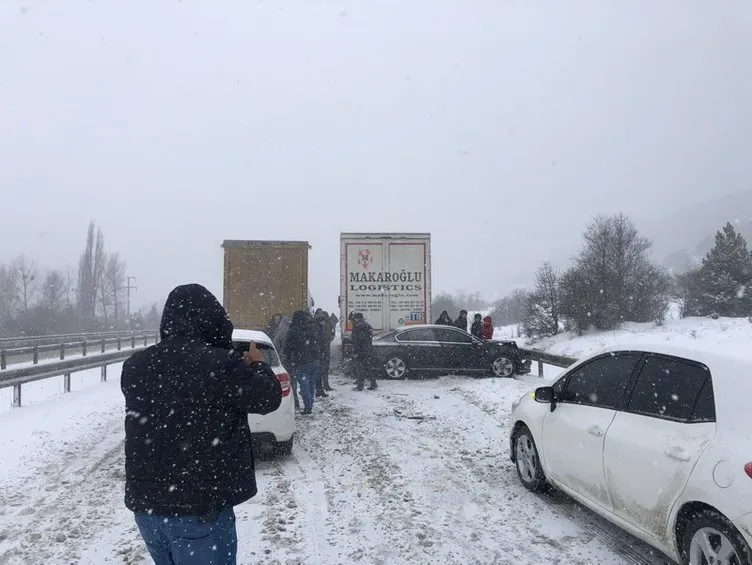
x=499, y=126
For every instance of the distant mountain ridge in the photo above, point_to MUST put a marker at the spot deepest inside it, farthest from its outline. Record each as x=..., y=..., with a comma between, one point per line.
x=683, y=237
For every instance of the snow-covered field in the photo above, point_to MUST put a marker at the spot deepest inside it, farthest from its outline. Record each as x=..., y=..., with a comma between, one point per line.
x=731, y=336
x=417, y=472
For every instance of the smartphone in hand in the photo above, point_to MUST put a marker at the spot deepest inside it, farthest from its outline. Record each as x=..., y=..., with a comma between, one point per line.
x=253, y=355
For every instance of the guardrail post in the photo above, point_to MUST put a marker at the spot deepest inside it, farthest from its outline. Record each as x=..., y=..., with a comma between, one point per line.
x=104, y=345
x=36, y=354
x=146, y=340
x=3, y=359
x=104, y=373
x=16, y=396
x=66, y=382
x=119, y=343
x=62, y=351
x=133, y=342
x=540, y=369
x=84, y=347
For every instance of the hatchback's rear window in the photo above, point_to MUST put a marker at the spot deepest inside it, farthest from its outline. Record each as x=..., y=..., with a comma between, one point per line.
x=270, y=355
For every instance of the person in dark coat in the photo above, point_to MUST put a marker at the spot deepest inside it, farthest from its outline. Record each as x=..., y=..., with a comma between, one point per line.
x=327, y=330
x=477, y=328
x=272, y=327
x=188, y=458
x=461, y=321
x=444, y=319
x=303, y=353
x=280, y=340
x=362, y=340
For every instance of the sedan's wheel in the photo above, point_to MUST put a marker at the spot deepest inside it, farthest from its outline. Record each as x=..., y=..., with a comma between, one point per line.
x=503, y=367
x=710, y=540
x=396, y=368
x=527, y=461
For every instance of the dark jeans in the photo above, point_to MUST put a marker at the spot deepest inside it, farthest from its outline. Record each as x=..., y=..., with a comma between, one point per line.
x=363, y=369
x=306, y=376
x=189, y=540
x=322, y=380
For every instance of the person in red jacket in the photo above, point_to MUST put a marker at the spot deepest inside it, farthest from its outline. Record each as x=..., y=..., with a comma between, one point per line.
x=487, y=330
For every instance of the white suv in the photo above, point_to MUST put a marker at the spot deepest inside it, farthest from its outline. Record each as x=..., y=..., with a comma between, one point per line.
x=276, y=429
x=657, y=440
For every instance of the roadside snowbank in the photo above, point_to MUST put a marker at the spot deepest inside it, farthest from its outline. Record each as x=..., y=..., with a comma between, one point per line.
x=724, y=335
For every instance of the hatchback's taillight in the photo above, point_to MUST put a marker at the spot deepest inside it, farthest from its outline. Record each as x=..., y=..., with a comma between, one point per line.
x=748, y=469
x=284, y=380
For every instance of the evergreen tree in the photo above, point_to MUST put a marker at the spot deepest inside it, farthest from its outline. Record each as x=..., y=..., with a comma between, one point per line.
x=543, y=304
x=721, y=285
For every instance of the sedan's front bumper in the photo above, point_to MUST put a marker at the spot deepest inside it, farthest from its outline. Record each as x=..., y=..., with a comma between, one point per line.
x=524, y=366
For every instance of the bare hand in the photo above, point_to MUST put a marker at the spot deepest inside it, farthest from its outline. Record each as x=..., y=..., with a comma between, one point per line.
x=253, y=355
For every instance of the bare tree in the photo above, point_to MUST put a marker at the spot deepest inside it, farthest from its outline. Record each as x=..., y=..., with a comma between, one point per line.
x=91, y=268
x=24, y=271
x=8, y=295
x=543, y=304
x=510, y=309
x=87, y=286
x=613, y=280
x=53, y=291
x=112, y=286
x=69, y=288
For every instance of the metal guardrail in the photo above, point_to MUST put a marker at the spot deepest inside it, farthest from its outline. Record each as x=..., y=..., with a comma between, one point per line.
x=24, y=375
x=16, y=377
x=544, y=358
x=83, y=347
x=28, y=341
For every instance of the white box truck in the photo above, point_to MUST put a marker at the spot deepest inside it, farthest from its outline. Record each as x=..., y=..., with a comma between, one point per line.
x=387, y=278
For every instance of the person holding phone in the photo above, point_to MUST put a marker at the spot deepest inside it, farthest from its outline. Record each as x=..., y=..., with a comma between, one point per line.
x=188, y=457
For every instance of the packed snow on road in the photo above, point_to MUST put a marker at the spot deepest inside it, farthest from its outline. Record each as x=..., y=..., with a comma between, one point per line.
x=416, y=472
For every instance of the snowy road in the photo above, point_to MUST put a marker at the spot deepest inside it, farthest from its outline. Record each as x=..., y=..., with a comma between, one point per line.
x=368, y=482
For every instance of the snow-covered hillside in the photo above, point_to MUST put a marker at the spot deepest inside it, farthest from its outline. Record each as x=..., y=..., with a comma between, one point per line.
x=724, y=335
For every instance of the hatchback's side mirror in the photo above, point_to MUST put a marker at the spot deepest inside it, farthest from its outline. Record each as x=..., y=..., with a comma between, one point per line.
x=544, y=394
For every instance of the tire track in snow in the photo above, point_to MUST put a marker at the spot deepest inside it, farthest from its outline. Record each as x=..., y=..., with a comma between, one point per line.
x=633, y=550
x=70, y=507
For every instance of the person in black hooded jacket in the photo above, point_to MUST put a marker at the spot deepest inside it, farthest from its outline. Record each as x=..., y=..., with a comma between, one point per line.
x=188, y=457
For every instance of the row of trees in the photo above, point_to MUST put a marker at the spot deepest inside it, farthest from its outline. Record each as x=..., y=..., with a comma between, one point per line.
x=613, y=280
x=93, y=297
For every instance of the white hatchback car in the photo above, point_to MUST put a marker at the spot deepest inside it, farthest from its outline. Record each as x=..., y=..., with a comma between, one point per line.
x=656, y=440
x=276, y=429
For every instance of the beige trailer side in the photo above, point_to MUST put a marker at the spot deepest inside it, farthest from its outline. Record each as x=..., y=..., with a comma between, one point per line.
x=262, y=278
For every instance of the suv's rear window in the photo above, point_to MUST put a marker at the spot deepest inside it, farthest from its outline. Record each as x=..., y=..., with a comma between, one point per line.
x=270, y=355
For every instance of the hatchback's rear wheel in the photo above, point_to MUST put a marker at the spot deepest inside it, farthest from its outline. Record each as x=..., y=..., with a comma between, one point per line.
x=284, y=448
x=502, y=366
x=396, y=368
x=709, y=539
x=527, y=461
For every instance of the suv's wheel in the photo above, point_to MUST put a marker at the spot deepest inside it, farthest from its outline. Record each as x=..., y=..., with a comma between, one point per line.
x=502, y=366
x=710, y=539
x=527, y=461
x=395, y=368
x=284, y=447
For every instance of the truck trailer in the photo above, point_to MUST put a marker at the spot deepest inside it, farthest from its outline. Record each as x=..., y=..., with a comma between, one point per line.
x=263, y=278
x=387, y=278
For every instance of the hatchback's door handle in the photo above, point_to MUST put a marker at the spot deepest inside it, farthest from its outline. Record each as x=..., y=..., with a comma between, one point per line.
x=677, y=453
x=595, y=430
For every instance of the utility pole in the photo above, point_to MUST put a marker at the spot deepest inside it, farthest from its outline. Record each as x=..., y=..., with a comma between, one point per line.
x=128, y=289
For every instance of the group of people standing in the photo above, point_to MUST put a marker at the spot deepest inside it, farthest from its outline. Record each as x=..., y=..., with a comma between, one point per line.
x=481, y=328
x=304, y=343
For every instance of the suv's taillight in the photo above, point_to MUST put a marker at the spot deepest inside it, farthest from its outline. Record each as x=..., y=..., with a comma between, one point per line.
x=748, y=469
x=284, y=380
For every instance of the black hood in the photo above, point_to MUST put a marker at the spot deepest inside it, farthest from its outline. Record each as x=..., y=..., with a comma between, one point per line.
x=192, y=311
